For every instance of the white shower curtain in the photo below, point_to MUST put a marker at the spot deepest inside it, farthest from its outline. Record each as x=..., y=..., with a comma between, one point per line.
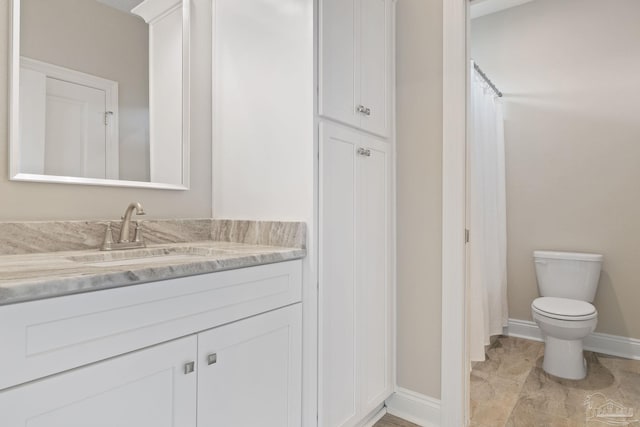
x=487, y=218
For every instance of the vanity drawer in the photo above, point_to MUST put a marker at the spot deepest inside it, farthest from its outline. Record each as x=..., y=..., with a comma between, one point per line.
x=40, y=338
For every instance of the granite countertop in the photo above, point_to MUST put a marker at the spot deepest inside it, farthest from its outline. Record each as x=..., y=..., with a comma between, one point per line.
x=28, y=277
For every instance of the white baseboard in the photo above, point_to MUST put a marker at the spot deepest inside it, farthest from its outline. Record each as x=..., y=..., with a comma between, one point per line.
x=613, y=345
x=414, y=407
x=523, y=329
x=377, y=416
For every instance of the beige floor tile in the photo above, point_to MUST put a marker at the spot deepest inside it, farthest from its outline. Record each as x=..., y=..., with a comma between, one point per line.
x=523, y=416
x=541, y=394
x=391, y=421
x=510, y=358
x=492, y=398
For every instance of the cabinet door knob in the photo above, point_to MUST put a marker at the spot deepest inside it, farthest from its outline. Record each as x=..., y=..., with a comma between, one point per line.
x=363, y=110
x=212, y=358
x=189, y=367
x=364, y=152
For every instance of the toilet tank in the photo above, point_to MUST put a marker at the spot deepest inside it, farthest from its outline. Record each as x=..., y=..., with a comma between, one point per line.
x=568, y=274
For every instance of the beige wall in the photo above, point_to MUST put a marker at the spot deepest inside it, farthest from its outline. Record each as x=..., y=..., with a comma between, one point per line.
x=96, y=39
x=571, y=73
x=32, y=201
x=419, y=131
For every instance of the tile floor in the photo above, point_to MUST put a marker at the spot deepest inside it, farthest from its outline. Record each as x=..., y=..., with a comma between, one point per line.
x=391, y=421
x=510, y=389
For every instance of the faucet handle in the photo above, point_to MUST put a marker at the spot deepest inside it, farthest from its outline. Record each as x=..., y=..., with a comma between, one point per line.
x=137, y=235
x=107, y=243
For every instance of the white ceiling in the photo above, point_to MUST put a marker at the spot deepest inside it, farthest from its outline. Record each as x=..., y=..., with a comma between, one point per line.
x=123, y=5
x=485, y=7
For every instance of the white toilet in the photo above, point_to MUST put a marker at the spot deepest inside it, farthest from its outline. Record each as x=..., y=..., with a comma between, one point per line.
x=567, y=282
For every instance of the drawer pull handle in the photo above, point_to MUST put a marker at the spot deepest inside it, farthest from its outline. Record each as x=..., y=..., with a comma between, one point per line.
x=212, y=358
x=189, y=367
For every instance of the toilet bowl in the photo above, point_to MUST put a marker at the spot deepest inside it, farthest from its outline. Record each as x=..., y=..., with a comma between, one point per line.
x=567, y=282
x=564, y=324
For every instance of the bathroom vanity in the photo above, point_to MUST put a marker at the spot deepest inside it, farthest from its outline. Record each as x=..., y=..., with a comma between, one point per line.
x=176, y=334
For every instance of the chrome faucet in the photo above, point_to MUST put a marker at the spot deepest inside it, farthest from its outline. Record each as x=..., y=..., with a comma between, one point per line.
x=126, y=220
x=124, y=242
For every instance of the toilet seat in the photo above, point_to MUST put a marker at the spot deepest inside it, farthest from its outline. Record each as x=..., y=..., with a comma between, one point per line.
x=564, y=309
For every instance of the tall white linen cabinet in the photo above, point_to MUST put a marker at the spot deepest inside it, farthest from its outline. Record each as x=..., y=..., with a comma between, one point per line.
x=356, y=85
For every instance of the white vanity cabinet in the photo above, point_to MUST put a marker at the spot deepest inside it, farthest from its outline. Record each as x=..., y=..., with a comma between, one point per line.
x=355, y=64
x=215, y=349
x=356, y=292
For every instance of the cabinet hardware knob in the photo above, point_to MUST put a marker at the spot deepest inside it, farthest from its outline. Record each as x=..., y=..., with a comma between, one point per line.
x=212, y=358
x=364, y=152
x=363, y=110
x=189, y=367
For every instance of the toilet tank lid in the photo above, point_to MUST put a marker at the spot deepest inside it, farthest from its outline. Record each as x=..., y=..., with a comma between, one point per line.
x=563, y=306
x=576, y=256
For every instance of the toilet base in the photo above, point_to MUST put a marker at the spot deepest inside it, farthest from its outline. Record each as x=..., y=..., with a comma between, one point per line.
x=564, y=358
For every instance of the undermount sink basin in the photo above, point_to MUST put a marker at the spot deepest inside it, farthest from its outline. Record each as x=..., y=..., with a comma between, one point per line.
x=132, y=261
x=145, y=255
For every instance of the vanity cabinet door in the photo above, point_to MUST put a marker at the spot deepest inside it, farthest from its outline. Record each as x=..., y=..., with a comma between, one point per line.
x=147, y=388
x=250, y=372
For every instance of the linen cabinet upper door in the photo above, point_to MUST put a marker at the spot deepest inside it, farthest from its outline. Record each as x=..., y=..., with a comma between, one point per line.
x=375, y=65
x=339, y=70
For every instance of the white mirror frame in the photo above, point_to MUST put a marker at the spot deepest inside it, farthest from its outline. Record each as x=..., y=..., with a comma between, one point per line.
x=14, y=115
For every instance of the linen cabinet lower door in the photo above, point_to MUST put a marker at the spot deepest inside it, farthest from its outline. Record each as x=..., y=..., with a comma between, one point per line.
x=251, y=372
x=146, y=388
x=339, y=352
x=373, y=277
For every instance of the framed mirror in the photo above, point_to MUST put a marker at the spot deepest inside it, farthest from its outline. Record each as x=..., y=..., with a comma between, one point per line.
x=99, y=92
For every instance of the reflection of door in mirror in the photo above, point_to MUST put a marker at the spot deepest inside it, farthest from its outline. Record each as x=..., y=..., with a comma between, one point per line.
x=82, y=135
x=91, y=45
x=68, y=122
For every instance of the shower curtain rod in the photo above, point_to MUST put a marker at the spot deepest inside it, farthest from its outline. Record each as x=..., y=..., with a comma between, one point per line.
x=486, y=79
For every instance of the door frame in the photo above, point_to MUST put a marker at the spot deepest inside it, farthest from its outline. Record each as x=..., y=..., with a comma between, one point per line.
x=455, y=360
